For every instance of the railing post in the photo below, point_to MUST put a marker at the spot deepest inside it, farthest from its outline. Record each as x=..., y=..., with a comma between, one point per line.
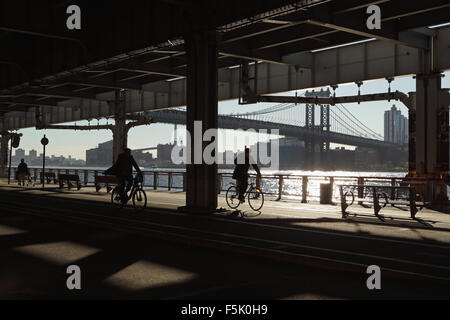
x=155, y=180
x=393, y=180
x=280, y=187
x=376, y=201
x=86, y=177
x=360, y=189
x=169, y=182
x=412, y=202
x=304, y=189
x=332, y=188
x=184, y=182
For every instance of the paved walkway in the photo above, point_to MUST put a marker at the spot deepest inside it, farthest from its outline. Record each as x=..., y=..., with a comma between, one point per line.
x=310, y=234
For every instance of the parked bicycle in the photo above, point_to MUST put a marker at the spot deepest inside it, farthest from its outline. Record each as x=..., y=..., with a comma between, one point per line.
x=254, y=195
x=136, y=194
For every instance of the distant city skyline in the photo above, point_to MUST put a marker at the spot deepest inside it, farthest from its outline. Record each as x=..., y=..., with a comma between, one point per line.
x=20, y=152
x=72, y=143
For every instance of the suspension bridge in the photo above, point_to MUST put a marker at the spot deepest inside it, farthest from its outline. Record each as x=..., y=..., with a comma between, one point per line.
x=337, y=124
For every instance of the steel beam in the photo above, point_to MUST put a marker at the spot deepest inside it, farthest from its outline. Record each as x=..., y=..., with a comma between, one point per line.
x=339, y=100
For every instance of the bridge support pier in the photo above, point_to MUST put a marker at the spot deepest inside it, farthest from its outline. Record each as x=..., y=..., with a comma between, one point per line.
x=431, y=127
x=429, y=136
x=4, y=154
x=202, y=105
x=120, y=130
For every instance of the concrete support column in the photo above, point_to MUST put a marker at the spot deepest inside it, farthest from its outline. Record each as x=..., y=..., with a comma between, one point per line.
x=412, y=139
x=202, y=105
x=120, y=131
x=4, y=155
x=431, y=134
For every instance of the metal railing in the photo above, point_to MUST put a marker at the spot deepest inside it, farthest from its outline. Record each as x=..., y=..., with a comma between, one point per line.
x=278, y=186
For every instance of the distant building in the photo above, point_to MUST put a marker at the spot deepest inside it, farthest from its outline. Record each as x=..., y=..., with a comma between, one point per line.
x=164, y=152
x=365, y=158
x=341, y=159
x=100, y=156
x=20, y=154
x=395, y=126
x=32, y=155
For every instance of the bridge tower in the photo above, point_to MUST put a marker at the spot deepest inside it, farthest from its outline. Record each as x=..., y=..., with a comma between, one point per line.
x=312, y=143
x=325, y=143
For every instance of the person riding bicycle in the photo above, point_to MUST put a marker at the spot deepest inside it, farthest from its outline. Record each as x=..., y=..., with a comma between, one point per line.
x=123, y=170
x=240, y=173
x=22, y=172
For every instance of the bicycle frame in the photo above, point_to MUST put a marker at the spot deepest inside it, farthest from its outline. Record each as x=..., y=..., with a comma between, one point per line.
x=249, y=188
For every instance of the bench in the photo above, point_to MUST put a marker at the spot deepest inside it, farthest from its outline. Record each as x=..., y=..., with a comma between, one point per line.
x=107, y=181
x=49, y=177
x=69, y=178
x=376, y=195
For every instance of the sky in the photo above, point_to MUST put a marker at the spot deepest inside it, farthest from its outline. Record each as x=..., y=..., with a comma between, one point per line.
x=65, y=142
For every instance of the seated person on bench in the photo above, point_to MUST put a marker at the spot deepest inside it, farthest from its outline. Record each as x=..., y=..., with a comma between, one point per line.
x=22, y=172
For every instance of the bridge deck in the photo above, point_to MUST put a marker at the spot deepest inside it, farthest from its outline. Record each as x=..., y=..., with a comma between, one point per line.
x=286, y=232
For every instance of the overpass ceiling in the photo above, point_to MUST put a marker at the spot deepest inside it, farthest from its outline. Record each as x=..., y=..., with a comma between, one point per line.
x=128, y=46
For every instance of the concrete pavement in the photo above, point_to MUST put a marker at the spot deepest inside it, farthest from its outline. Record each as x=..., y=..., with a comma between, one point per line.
x=302, y=243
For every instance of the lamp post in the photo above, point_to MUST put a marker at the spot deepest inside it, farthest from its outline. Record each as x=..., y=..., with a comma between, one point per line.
x=9, y=167
x=44, y=142
x=15, y=141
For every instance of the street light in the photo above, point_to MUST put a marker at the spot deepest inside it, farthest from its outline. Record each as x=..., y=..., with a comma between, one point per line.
x=44, y=142
x=15, y=141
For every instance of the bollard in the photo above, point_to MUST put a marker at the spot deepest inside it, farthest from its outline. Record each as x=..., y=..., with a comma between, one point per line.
x=325, y=193
x=280, y=187
x=304, y=189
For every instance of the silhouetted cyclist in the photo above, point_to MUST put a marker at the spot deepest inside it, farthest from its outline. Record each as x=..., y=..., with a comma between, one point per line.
x=240, y=174
x=123, y=170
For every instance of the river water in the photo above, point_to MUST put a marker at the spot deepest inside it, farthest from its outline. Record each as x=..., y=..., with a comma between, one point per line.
x=292, y=179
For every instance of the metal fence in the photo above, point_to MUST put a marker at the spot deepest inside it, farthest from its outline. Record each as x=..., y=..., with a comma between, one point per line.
x=277, y=186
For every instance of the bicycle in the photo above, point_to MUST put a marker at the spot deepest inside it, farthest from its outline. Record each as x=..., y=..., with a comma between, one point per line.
x=254, y=195
x=136, y=193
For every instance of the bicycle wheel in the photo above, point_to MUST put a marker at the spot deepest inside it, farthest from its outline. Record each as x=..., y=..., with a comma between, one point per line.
x=139, y=199
x=256, y=199
x=115, y=198
x=232, y=197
